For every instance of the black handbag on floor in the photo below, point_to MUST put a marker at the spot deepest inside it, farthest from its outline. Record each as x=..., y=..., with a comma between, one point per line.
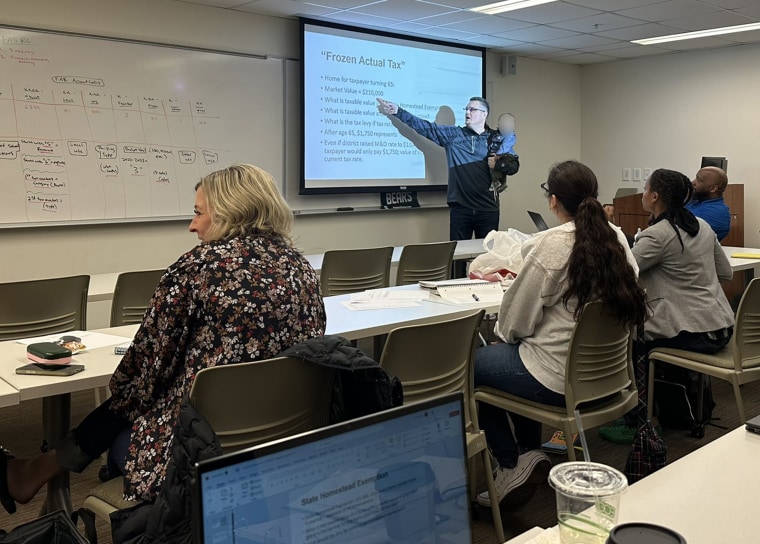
x=55, y=528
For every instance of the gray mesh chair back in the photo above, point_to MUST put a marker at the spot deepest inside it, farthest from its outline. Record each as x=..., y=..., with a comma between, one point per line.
x=251, y=403
x=599, y=362
x=433, y=359
x=599, y=380
x=353, y=270
x=40, y=307
x=746, y=339
x=132, y=295
x=425, y=262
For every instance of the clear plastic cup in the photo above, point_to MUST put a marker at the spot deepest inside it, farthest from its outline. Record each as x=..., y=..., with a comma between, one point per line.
x=588, y=498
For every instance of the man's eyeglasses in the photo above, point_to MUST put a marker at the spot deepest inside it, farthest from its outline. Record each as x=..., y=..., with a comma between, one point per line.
x=545, y=187
x=468, y=108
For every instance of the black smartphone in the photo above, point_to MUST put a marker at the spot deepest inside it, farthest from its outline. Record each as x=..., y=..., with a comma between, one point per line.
x=49, y=370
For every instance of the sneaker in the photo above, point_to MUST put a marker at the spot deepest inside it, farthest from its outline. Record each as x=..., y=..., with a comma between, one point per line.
x=532, y=469
x=621, y=433
x=618, y=434
x=557, y=443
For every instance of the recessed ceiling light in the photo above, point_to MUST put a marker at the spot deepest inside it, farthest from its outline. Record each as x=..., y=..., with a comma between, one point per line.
x=698, y=34
x=509, y=5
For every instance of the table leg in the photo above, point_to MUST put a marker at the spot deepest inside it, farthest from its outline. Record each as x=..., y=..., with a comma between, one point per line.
x=749, y=275
x=56, y=420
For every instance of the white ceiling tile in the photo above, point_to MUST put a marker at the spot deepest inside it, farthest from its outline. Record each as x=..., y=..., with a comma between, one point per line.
x=597, y=23
x=704, y=21
x=552, y=13
x=564, y=29
x=461, y=4
x=576, y=42
x=216, y=3
x=731, y=4
x=449, y=33
x=361, y=19
x=753, y=12
x=633, y=51
x=337, y=4
x=462, y=16
x=585, y=58
x=558, y=54
x=614, y=44
x=533, y=49
x=672, y=9
x=698, y=43
x=399, y=9
x=491, y=24
x=753, y=36
x=408, y=26
x=496, y=41
x=612, y=5
x=287, y=8
x=537, y=33
x=648, y=30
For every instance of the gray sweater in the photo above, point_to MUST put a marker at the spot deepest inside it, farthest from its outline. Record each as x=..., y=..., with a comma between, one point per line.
x=532, y=312
x=683, y=287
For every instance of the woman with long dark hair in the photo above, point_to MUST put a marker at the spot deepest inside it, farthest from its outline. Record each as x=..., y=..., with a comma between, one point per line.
x=585, y=259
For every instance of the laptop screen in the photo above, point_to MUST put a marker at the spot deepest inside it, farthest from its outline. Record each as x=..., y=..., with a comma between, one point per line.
x=396, y=476
x=538, y=220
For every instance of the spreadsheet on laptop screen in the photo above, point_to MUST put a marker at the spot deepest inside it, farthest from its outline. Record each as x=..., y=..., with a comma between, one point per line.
x=402, y=480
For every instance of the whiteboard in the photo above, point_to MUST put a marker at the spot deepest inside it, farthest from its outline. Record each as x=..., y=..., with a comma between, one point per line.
x=99, y=130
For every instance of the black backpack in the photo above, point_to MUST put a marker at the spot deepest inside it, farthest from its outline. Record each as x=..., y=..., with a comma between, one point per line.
x=676, y=396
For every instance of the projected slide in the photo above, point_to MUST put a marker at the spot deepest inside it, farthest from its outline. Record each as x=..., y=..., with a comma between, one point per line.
x=348, y=144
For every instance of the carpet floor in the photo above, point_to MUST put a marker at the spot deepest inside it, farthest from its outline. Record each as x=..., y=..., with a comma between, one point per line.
x=22, y=430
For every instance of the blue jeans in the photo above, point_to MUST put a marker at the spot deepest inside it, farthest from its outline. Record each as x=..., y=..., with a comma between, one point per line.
x=500, y=366
x=463, y=222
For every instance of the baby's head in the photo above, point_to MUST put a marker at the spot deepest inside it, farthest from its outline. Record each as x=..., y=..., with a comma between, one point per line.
x=506, y=123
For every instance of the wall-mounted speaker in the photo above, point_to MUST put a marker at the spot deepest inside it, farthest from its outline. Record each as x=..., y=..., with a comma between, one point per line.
x=509, y=65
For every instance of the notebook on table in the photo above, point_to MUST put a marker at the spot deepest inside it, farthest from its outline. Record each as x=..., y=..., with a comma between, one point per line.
x=464, y=291
x=396, y=476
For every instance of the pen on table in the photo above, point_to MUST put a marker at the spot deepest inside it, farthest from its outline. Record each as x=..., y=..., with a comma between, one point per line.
x=475, y=297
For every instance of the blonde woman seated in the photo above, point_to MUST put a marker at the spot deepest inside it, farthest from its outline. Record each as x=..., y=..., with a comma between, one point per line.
x=243, y=294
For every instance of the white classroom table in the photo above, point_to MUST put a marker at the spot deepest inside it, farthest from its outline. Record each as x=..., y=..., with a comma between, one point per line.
x=357, y=324
x=708, y=496
x=8, y=395
x=55, y=393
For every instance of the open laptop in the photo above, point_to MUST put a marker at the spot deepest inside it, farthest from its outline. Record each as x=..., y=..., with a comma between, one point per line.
x=753, y=425
x=396, y=476
x=538, y=220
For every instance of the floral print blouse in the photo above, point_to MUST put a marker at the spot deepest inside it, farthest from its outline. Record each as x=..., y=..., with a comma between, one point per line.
x=227, y=301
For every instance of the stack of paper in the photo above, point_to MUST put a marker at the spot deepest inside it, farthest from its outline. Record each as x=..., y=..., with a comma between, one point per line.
x=379, y=299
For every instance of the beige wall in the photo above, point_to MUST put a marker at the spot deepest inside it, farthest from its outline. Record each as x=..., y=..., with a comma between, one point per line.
x=545, y=97
x=669, y=111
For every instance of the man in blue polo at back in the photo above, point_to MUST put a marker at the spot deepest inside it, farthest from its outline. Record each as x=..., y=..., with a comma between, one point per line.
x=707, y=203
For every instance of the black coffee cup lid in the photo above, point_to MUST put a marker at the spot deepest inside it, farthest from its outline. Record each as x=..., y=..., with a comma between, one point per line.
x=644, y=533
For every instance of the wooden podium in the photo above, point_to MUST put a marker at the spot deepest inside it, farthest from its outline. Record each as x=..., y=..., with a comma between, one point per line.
x=630, y=215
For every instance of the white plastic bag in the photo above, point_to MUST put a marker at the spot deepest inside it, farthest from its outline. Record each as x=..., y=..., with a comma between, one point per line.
x=503, y=257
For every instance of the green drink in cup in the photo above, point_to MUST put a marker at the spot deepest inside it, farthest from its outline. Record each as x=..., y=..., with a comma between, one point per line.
x=588, y=498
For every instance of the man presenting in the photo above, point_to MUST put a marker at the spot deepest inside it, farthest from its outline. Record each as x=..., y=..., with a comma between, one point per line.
x=707, y=203
x=473, y=207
